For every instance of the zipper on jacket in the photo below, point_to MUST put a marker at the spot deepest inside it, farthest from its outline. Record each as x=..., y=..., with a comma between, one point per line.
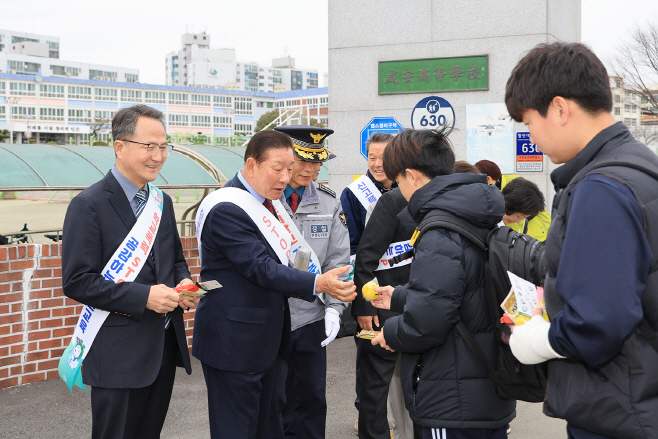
x=416, y=379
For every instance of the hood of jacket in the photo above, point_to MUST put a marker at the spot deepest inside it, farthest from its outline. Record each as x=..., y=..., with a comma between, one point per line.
x=467, y=196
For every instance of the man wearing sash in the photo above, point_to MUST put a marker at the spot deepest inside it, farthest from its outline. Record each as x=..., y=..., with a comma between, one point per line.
x=318, y=221
x=121, y=253
x=365, y=190
x=242, y=332
x=355, y=199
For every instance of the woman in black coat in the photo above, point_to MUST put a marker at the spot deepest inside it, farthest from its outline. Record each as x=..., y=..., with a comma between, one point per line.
x=447, y=391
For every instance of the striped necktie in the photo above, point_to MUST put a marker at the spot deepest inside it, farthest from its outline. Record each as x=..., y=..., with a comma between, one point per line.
x=141, y=202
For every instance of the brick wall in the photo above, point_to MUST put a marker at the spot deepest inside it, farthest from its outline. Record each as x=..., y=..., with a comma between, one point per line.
x=36, y=319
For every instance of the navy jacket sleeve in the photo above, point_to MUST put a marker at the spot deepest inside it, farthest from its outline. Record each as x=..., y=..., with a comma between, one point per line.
x=433, y=295
x=355, y=217
x=603, y=271
x=82, y=264
x=230, y=231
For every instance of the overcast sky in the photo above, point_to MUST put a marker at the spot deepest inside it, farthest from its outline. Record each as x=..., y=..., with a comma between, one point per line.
x=139, y=33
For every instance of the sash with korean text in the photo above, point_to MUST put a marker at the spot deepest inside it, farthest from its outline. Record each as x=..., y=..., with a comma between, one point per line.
x=397, y=248
x=365, y=190
x=124, y=266
x=298, y=240
x=274, y=232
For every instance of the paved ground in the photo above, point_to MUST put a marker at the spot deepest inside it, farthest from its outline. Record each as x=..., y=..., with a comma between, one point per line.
x=47, y=410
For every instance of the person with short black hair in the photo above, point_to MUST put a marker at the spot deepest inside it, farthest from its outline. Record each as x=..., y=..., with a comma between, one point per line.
x=601, y=287
x=523, y=200
x=446, y=390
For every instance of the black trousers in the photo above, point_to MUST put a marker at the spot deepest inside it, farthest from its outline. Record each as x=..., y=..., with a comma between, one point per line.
x=578, y=433
x=305, y=410
x=136, y=413
x=466, y=433
x=240, y=403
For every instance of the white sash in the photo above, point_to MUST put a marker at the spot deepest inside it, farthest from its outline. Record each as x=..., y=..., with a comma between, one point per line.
x=298, y=240
x=124, y=266
x=365, y=190
x=274, y=232
x=397, y=248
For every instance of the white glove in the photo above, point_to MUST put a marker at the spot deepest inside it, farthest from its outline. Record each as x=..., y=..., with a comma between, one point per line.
x=529, y=342
x=331, y=325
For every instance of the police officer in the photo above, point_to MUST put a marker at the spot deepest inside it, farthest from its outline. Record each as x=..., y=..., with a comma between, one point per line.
x=318, y=216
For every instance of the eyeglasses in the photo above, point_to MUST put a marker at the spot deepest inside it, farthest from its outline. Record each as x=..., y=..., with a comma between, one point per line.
x=153, y=148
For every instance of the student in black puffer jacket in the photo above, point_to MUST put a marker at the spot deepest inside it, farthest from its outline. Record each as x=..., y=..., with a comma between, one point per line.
x=445, y=386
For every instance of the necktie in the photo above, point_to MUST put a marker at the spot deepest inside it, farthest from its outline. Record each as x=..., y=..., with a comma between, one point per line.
x=294, y=201
x=141, y=202
x=268, y=204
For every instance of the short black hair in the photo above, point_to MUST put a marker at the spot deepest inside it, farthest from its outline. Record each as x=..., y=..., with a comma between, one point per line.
x=569, y=70
x=125, y=121
x=427, y=151
x=523, y=196
x=378, y=138
x=263, y=141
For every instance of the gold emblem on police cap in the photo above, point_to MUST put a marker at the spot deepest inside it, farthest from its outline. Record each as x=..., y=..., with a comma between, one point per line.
x=317, y=137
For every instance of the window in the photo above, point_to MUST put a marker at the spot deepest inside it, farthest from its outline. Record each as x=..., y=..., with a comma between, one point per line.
x=242, y=105
x=313, y=101
x=51, y=91
x=79, y=92
x=80, y=116
x=178, y=119
x=200, y=121
x=106, y=115
x=279, y=104
x=178, y=98
x=634, y=107
x=56, y=114
x=260, y=104
x=22, y=89
x=201, y=100
x=155, y=97
x=106, y=94
x=324, y=101
x=23, y=112
x=627, y=93
x=627, y=107
x=222, y=121
x=3, y=115
x=222, y=101
x=618, y=83
x=132, y=78
x=3, y=90
x=617, y=99
x=101, y=75
x=617, y=111
x=242, y=128
x=32, y=67
x=131, y=95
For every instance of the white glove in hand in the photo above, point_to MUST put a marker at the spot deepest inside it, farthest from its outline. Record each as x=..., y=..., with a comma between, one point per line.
x=529, y=342
x=331, y=325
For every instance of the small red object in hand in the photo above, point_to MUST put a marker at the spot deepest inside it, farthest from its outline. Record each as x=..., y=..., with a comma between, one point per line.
x=505, y=319
x=189, y=287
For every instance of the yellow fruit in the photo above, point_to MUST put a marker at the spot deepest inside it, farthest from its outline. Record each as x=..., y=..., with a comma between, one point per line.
x=369, y=292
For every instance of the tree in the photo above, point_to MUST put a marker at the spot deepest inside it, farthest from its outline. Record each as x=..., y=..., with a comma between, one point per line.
x=637, y=64
x=98, y=124
x=266, y=119
x=4, y=134
x=647, y=134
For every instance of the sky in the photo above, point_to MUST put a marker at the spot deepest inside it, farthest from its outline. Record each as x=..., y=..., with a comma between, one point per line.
x=139, y=33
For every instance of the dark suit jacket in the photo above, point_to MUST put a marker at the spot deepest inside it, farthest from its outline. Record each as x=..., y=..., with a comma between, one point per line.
x=243, y=326
x=127, y=351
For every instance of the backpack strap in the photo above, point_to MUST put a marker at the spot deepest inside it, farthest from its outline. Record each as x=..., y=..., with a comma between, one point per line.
x=442, y=222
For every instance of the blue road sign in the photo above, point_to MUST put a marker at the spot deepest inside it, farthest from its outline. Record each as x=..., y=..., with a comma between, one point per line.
x=379, y=125
x=433, y=112
x=528, y=157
